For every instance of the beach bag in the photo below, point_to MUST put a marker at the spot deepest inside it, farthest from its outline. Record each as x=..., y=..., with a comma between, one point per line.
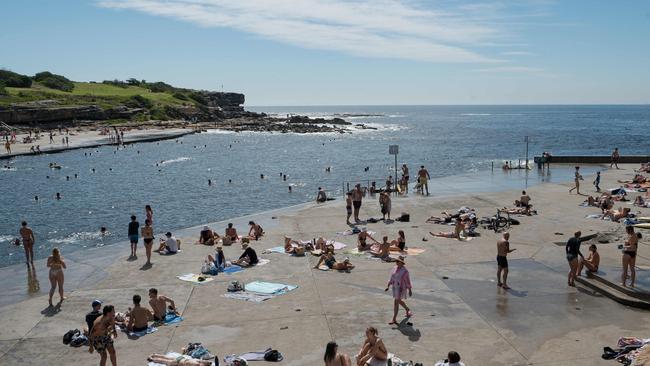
x=236, y=286
x=404, y=217
x=79, y=340
x=67, y=337
x=273, y=356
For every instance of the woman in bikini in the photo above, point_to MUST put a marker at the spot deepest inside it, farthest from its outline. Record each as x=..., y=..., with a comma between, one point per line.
x=629, y=256
x=373, y=352
x=147, y=234
x=401, y=283
x=149, y=213
x=28, y=242
x=453, y=234
x=399, y=244
x=331, y=263
x=334, y=358
x=56, y=265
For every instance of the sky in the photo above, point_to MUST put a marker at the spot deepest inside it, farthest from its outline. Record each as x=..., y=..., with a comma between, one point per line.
x=345, y=52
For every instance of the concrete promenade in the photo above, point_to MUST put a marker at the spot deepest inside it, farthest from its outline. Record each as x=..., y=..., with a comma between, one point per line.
x=456, y=302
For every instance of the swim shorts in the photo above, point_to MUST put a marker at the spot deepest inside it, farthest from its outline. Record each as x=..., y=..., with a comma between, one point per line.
x=356, y=204
x=570, y=257
x=101, y=343
x=502, y=261
x=134, y=238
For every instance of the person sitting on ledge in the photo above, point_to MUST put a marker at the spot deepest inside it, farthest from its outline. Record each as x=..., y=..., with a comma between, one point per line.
x=592, y=261
x=248, y=257
x=453, y=234
x=255, y=232
x=321, y=196
x=169, y=246
x=331, y=263
x=362, y=240
x=207, y=236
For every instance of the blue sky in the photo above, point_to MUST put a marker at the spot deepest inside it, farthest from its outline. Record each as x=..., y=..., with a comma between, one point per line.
x=313, y=52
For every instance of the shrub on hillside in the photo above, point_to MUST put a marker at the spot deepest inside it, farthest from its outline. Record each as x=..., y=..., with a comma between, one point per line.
x=199, y=98
x=54, y=81
x=180, y=96
x=3, y=91
x=118, y=83
x=12, y=79
x=160, y=87
x=138, y=101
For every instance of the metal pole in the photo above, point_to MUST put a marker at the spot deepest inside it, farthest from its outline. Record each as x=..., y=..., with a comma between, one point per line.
x=395, y=180
x=526, y=152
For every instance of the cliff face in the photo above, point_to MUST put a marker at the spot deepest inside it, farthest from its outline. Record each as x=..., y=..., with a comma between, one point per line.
x=214, y=106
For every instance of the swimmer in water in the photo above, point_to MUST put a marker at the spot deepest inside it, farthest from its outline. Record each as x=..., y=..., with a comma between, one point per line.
x=35, y=198
x=289, y=189
x=229, y=180
x=103, y=231
x=209, y=182
x=261, y=176
x=58, y=195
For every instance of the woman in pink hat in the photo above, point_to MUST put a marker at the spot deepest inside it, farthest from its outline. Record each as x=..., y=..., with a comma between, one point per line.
x=401, y=282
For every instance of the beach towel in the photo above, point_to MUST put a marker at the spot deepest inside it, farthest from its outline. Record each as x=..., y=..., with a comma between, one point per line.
x=172, y=318
x=141, y=333
x=269, y=288
x=232, y=269
x=254, y=356
x=414, y=251
x=275, y=250
x=248, y=296
x=350, y=232
x=336, y=244
x=262, y=262
x=194, y=278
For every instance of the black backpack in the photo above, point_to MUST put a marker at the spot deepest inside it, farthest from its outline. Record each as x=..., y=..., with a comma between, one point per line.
x=273, y=355
x=67, y=338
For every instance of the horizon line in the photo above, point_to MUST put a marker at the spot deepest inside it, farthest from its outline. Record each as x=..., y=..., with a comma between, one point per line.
x=457, y=105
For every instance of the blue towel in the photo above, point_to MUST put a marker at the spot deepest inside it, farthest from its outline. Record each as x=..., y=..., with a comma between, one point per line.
x=142, y=333
x=172, y=318
x=233, y=269
x=276, y=250
x=269, y=288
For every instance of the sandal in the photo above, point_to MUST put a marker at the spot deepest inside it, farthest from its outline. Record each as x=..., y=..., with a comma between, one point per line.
x=409, y=314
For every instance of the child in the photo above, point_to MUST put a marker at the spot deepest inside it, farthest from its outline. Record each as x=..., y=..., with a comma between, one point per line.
x=597, y=182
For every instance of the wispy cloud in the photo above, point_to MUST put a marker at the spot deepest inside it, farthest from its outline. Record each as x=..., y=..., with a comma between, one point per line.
x=381, y=28
x=517, y=53
x=510, y=69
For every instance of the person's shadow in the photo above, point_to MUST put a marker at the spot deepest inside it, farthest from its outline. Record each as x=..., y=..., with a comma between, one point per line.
x=146, y=267
x=406, y=328
x=33, y=286
x=50, y=311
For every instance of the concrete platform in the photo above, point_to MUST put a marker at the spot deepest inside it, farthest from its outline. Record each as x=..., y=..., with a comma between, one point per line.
x=457, y=304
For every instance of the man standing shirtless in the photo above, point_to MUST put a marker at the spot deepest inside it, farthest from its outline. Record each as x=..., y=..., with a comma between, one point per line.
x=28, y=242
x=102, y=334
x=405, y=177
x=503, y=248
x=357, y=196
x=423, y=179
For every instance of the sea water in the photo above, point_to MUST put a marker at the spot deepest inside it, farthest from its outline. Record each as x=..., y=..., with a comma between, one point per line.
x=457, y=144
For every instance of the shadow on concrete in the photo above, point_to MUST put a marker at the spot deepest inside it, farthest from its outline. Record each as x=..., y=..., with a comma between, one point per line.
x=406, y=328
x=50, y=311
x=146, y=267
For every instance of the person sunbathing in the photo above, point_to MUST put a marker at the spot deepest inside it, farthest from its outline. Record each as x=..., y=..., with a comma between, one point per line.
x=207, y=236
x=444, y=219
x=639, y=201
x=399, y=244
x=519, y=211
x=616, y=215
x=293, y=247
x=321, y=244
x=451, y=234
x=373, y=351
x=384, y=250
x=362, y=240
x=331, y=263
x=177, y=361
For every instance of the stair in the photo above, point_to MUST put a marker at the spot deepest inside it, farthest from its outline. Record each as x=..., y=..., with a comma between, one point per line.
x=625, y=296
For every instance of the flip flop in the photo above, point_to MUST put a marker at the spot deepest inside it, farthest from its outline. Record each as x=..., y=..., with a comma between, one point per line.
x=409, y=314
x=393, y=323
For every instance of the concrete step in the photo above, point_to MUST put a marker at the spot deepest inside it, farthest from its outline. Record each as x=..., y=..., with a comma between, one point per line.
x=613, y=293
x=633, y=292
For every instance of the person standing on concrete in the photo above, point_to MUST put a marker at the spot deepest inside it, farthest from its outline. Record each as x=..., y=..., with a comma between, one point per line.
x=401, y=283
x=357, y=196
x=572, y=253
x=134, y=231
x=102, y=334
x=423, y=179
x=616, y=156
x=597, y=182
x=503, y=248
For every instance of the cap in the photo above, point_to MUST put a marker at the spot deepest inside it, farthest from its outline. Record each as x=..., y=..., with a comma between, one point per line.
x=400, y=259
x=96, y=303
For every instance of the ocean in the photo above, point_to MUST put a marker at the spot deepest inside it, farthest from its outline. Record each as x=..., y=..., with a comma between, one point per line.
x=455, y=143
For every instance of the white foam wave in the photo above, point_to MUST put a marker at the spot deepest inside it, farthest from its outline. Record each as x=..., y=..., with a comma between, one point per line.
x=219, y=132
x=6, y=238
x=77, y=237
x=476, y=114
x=182, y=158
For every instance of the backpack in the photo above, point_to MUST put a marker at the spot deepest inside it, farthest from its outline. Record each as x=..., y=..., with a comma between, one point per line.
x=79, y=340
x=273, y=355
x=67, y=338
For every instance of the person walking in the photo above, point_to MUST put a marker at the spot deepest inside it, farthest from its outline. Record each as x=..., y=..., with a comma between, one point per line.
x=423, y=179
x=503, y=248
x=28, y=242
x=405, y=177
x=401, y=283
x=616, y=156
x=56, y=264
x=597, y=182
x=576, y=180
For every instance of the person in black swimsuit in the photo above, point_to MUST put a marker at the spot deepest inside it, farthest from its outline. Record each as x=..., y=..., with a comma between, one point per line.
x=629, y=256
x=572, y=252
